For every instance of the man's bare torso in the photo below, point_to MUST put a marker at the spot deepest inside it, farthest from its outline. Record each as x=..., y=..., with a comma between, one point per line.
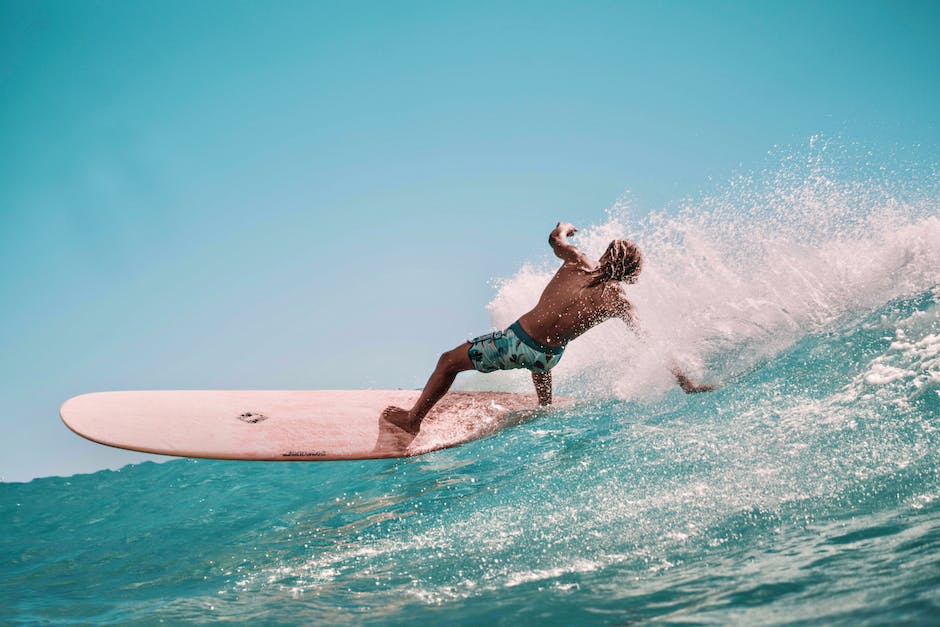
x=569, y=305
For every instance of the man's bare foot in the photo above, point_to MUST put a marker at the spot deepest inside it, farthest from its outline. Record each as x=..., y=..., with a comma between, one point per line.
x=401, y=418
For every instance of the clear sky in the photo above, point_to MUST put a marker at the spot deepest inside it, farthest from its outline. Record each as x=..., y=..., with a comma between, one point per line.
x=318, y=194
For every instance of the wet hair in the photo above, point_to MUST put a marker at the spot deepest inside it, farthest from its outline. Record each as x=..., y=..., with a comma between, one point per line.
x=624, y=262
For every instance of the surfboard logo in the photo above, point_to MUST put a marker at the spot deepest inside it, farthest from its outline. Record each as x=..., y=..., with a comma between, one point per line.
x=252, y=417
x=305, y=454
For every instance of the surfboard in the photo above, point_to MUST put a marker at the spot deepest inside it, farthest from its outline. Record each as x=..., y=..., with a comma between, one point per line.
x=287, y=425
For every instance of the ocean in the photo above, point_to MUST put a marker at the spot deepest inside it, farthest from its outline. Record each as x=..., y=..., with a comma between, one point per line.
x=805, y=490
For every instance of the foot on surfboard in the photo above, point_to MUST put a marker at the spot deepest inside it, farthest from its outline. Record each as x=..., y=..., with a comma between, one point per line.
x=401, y=419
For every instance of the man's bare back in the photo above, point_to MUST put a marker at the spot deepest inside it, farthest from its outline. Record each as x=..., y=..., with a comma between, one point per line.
x=573, y=301
x=580, y=296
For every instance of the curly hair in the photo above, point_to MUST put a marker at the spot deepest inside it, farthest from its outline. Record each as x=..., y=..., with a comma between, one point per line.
x=624, y=262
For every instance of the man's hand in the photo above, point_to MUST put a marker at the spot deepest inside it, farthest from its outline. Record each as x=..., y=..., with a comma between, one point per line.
x=566, y=229
x=687, y=385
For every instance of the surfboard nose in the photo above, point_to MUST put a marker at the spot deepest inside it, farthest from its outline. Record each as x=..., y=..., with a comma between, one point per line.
x=78, y=413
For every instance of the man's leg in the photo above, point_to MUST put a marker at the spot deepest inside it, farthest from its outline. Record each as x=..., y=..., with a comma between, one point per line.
x=450, y=363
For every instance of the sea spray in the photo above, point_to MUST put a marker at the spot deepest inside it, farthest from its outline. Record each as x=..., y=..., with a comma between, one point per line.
x=734, y=277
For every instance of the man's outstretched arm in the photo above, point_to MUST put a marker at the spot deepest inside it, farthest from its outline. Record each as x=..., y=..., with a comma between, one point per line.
x=688, y=386
x=543, y=386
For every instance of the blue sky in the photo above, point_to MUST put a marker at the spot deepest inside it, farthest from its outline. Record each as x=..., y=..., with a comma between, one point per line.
x=317, y=195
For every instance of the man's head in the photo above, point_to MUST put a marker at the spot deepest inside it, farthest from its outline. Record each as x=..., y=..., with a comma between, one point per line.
x=621, y=261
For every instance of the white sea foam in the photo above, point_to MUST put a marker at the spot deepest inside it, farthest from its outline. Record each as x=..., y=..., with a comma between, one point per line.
x=910, y=367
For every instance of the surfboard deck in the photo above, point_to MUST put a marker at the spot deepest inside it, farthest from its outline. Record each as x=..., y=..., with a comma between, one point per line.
x=287, y=425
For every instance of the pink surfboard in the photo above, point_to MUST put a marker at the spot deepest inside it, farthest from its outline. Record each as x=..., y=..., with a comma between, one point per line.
x=291, y=425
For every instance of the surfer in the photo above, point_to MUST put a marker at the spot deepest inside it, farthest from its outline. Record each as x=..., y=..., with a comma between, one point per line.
x=580, y=296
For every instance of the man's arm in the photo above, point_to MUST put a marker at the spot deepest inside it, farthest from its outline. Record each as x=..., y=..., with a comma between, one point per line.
x=543, y=386
x=624, y=310
x=625, y=313
x=563, y=249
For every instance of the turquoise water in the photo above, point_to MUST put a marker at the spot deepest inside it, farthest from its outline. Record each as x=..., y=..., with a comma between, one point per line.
x=805, y=490
x=801, y=492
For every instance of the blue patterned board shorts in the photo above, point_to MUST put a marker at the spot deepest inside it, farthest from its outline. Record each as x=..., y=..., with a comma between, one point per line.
x=510, y=349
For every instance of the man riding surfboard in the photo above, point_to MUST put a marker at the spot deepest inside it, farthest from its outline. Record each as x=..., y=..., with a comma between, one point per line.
x=581, y=295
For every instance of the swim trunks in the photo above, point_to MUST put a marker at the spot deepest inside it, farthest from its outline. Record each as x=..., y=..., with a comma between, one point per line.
x=510, y=349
